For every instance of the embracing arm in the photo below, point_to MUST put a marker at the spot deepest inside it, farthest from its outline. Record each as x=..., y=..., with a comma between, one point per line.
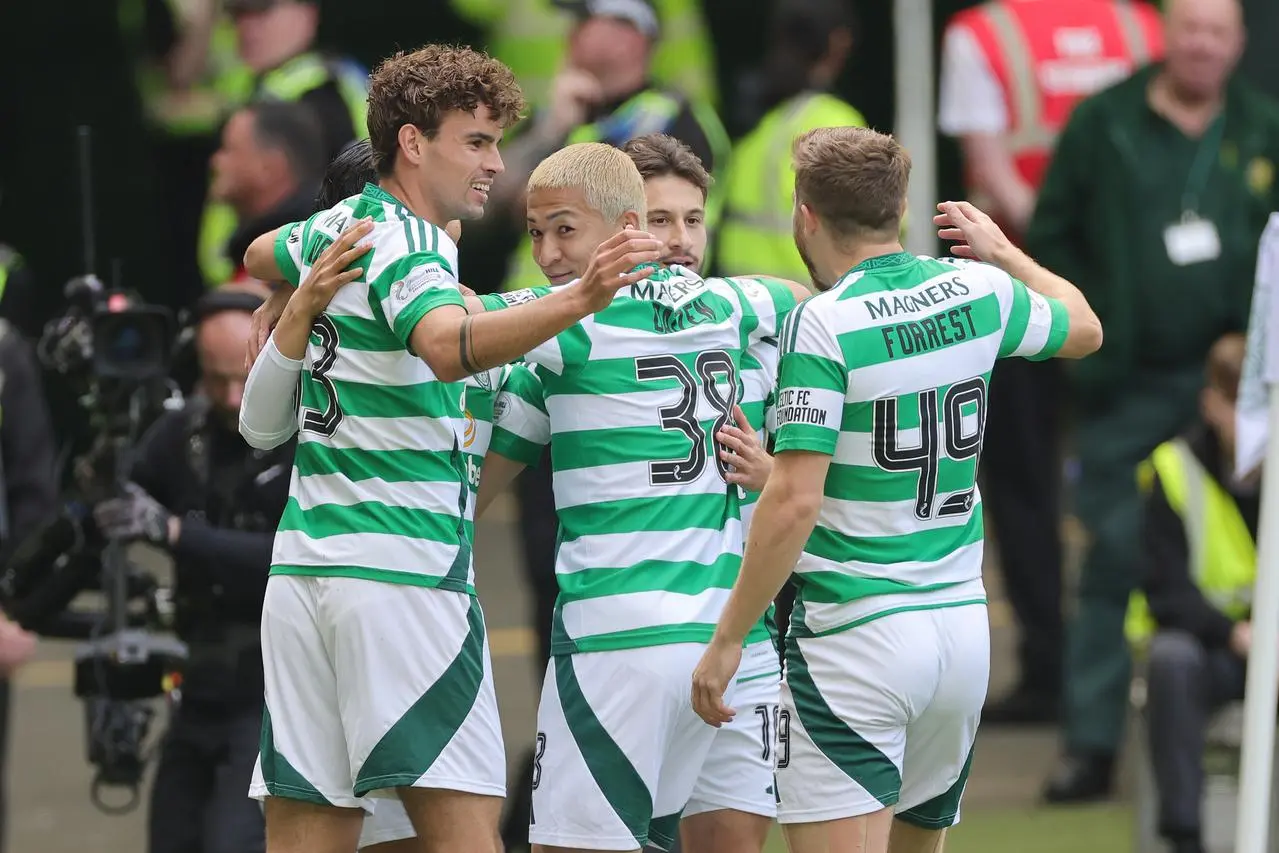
x=456, y=344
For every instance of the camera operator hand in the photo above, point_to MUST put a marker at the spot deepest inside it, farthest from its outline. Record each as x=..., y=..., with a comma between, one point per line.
x=136, y=516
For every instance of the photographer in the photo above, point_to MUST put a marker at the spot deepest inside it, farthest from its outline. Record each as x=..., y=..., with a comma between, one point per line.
x=213, y=503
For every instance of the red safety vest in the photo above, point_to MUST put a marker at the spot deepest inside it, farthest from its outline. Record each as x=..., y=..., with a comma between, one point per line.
x=1050, y=54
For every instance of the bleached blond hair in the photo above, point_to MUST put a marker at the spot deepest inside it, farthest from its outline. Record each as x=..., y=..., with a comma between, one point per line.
x=607, y=178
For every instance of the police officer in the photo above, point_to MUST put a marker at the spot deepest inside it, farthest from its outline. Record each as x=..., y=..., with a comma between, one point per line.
x=200, y=493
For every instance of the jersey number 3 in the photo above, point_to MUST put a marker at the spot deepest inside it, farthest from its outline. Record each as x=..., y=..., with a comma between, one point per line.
x=924, y=457
x=324, y=422
x=710, y=367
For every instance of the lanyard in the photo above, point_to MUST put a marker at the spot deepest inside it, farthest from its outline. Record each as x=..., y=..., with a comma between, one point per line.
x=1201, y=168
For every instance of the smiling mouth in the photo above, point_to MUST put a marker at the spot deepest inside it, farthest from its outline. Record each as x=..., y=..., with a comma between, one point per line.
x=682, y=260
x=482, y=189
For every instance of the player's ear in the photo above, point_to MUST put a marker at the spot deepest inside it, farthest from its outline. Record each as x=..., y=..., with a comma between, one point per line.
x=410, y=140
x=631, y=219
x=808, y=218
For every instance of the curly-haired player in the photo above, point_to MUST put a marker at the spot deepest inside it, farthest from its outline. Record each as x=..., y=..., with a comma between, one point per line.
x=378, y=680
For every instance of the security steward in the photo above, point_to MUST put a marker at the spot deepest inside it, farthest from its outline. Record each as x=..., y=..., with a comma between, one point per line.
x=1199, y=562
x=604, y=93
x=198, y=492
x=810, y=43
x=1154, y=201
x=276, y=40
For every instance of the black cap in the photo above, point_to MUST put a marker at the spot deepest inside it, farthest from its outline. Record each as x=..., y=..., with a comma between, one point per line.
x=641, y=14
x=809, y=23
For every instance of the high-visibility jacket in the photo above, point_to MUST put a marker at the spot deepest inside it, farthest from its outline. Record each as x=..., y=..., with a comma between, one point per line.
x=757, y=237
x=1223, y=554
x=10, y=262
x=1050, y=54
x=199, y=109
x=530, y=37
x=288, y=82
x=650, y=111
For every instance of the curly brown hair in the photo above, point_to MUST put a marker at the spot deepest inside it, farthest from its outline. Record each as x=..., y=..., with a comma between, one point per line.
x=421, y=87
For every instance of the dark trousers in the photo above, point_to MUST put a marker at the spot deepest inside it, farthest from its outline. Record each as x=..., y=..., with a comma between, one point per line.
x=539, y=527
x=1112, y=442
x=1185, y=683
x=1021, y=484
x=200, y=798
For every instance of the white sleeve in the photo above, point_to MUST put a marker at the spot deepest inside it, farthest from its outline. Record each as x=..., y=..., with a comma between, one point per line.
x=268, y=409
x=970, y=98
x=1252, y=411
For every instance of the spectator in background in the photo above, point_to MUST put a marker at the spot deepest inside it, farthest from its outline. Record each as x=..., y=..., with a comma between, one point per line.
x=268, y=170
x=189, y=77
x=28, y=499
x=1154, y=202
x=276, y=40
x=528, y=36
x=1012, y=71
x=1198, y=565
x=605, y=93
x=17, y=292
x=810, y=44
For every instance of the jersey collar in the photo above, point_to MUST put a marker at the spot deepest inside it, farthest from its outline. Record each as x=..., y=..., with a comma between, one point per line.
x=892, y=259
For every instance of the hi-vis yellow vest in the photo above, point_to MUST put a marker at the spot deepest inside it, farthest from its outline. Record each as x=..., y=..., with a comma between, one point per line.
x=756, y=237
x=289, y=82
x=200, y=109
x=530, y=36
x=651, y=111
x=1223, y=555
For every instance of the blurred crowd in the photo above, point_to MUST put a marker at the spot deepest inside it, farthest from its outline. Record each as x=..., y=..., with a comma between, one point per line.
x=1117, y=141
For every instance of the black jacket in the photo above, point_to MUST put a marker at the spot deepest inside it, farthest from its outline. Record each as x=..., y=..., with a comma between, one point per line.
x=27, y=450
x=230, y=498
x=1174, y=599
x=295, y=208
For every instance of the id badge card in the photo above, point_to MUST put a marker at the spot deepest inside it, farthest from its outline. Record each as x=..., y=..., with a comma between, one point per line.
x=1192, y=241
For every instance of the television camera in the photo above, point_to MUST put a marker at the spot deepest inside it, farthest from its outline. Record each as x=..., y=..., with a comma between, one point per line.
x=115, y=351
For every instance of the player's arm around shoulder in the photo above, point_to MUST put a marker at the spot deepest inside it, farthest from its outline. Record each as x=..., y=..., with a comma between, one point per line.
x=521, y=428
x=1048, y=316
x=456, y=344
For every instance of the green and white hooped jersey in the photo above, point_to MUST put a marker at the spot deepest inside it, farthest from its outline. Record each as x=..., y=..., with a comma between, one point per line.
x=380, y=485
x=759, y=378
x=629, y=399
x=888, y=373
x=477, y=423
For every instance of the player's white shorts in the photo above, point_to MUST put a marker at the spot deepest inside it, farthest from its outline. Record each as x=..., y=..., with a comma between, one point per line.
x=389, y=822
x=372, y=686
x=883, y=715
x=738, y=772
x=619, y=748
